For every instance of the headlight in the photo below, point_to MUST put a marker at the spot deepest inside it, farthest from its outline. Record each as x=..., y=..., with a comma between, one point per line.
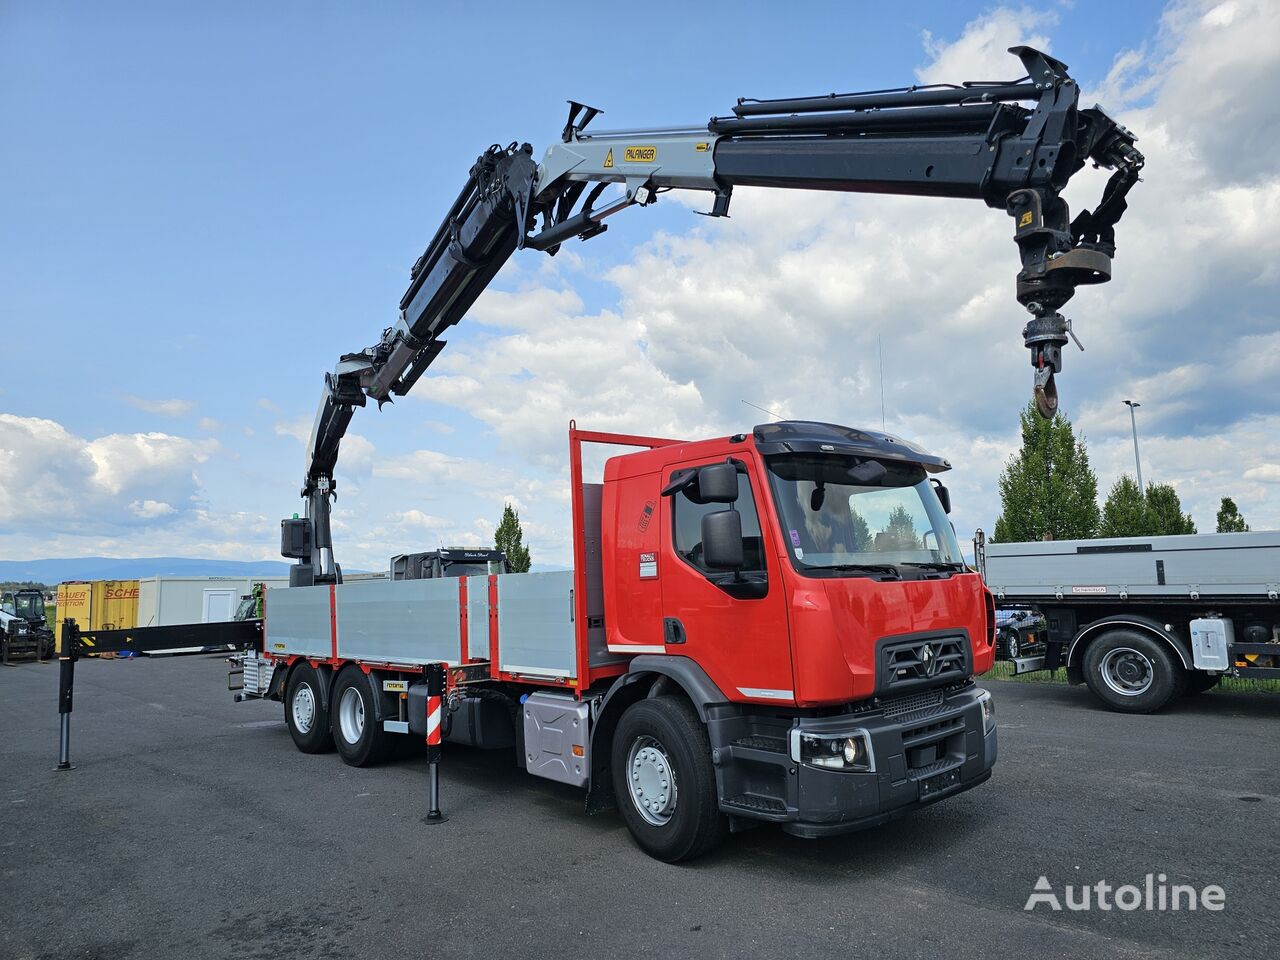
x=988, y=713
x=847, y=752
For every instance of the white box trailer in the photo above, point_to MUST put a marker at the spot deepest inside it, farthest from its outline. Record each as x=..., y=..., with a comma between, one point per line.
x=1142, y=620
x=165, y=601
x=169, y=601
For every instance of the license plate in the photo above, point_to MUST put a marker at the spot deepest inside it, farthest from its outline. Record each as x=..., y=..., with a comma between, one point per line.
x=939, y=782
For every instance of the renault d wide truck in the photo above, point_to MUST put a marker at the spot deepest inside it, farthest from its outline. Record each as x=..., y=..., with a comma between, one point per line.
x=769, y=627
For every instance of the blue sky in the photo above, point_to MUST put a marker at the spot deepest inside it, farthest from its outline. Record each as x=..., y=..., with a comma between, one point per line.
x=202, y=207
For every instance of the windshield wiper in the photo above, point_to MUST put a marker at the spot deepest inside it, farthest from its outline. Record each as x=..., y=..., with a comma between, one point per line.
x=933, y=565
x=886, y=568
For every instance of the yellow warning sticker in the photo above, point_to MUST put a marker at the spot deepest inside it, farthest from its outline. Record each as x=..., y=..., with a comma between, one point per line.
x=702, y=147
x=640, y=154
x=608, y=158
x=1025, y=219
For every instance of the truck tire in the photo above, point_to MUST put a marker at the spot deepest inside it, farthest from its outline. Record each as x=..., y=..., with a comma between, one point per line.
x=353, y=719
x=664, y=779
x=1132, y=672
x=1012, y=646
x=1200, y=682
x=304, y=711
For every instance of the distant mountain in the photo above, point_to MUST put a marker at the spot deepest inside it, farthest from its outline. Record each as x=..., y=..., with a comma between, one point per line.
x=115, y=568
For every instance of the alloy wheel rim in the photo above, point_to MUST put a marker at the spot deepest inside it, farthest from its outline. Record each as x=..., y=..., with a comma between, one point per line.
x=351, y=715
x=651, y=781
x=304, y=708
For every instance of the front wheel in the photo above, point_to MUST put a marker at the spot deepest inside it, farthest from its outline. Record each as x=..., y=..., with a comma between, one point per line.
x=664, y=780
x=1132, y=672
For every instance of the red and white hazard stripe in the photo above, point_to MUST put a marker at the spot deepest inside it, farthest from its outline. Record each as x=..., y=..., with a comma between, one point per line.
x=433, y=721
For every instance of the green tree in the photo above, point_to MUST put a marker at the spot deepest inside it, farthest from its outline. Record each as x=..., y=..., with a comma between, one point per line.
x=1125, y=513
x=900, y=532
x=861, y=532
x=1048, y=487
x=1164, y=512
x=509, y=538
x=1229, y=518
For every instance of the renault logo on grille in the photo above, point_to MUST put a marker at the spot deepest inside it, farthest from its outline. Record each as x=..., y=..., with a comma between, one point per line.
x=928, y=657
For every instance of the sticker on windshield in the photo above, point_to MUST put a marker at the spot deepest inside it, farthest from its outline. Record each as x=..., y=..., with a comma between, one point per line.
x=795, y=538
x=799, y=554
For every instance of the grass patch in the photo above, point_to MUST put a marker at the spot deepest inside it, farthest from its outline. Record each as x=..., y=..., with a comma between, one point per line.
x=1003, y=670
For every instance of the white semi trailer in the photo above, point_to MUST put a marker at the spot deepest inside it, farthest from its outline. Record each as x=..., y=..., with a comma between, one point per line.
x=1142, y=620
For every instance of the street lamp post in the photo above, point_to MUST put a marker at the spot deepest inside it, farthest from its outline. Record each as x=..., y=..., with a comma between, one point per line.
x=1133, y=421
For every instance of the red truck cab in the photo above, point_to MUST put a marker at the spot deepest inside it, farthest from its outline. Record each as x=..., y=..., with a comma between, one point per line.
x=804, y=587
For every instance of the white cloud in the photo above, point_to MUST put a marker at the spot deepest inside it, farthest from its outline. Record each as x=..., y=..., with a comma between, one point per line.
x=151, y=509
x=1264, y=473
x=981, y=51
x=209, y=425
x=51, y=479
x=299, y=428
x=167, y=408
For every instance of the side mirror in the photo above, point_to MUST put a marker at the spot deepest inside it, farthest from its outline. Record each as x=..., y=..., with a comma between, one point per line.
x=944, y=495
x=722, y=539
x=718, y=483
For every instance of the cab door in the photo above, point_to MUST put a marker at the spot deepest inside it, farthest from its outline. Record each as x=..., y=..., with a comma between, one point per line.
x=734, y=627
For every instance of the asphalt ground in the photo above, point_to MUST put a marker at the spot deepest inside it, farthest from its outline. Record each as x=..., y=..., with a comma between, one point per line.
x=192, y=828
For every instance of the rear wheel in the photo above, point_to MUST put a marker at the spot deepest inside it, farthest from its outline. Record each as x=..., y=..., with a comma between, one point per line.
x=1013, y=646
x=664, y=780
x=1132, y=672
x=1198, y=682
x=357, y=733
x=304, y=710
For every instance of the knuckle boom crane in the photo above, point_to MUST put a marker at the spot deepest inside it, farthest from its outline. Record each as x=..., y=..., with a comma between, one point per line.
x=1013, y=145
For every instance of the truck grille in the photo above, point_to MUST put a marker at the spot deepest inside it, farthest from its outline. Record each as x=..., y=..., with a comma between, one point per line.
x=912, y=703
x=921, y=662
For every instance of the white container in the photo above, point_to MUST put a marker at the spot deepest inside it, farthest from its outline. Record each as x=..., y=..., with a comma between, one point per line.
x=165, y=601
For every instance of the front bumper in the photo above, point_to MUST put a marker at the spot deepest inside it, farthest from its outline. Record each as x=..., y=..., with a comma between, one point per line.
x=926, y=747
x=921, y=757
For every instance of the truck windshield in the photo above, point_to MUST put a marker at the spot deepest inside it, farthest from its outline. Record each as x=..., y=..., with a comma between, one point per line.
x=459, y=569
x=836, y=523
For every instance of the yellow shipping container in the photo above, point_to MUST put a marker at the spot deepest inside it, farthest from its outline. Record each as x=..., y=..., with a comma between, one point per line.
x=98, y=605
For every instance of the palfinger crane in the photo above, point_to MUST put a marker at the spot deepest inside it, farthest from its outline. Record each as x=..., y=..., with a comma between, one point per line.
x=1013, y=145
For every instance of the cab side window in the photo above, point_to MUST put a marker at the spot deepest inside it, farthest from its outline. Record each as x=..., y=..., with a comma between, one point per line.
x=687, y=535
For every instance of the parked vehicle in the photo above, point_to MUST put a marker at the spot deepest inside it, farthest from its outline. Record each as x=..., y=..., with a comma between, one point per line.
x=1019, y=631
x=733, y=645
x=23, y=631
x=1143, y=620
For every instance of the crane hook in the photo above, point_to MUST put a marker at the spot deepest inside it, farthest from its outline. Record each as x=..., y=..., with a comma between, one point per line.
x=1046, y=392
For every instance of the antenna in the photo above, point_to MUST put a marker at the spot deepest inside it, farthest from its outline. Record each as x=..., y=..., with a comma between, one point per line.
x=763, y=410
x=880, y=350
